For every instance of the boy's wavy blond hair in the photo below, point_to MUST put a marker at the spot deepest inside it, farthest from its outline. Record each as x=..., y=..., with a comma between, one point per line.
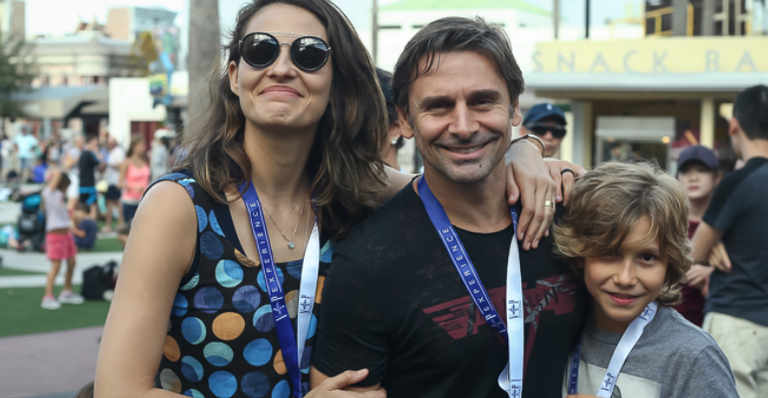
x=605, y=205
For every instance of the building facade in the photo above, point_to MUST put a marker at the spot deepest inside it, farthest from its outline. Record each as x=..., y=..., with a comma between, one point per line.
x=651, y=97
x=127, y=23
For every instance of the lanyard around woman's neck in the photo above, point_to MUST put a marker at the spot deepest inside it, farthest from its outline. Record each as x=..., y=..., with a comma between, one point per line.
x=291, y=344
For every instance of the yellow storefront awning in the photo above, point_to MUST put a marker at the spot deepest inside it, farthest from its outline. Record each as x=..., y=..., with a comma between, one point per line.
x=676, y=65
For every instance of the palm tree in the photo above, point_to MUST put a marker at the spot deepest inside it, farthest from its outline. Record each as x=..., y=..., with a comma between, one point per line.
x=204, y=51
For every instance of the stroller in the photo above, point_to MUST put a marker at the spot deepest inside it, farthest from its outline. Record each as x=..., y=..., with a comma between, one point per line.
x=31, y=223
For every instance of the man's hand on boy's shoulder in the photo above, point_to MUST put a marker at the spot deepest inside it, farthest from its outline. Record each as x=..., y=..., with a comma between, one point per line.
x=564, y=174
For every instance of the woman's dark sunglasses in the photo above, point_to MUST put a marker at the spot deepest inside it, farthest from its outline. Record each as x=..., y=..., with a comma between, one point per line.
x=558, y=131
x=308, y=53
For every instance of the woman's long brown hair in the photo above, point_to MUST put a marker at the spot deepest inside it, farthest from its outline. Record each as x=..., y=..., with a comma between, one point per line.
x=344, y=164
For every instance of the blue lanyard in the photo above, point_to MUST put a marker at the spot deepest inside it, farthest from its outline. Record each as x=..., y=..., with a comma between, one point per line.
x=511, y=379
x=292, y=354
x=626, y=344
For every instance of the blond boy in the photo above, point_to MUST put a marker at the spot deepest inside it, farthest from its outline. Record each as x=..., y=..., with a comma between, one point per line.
x=625, y=234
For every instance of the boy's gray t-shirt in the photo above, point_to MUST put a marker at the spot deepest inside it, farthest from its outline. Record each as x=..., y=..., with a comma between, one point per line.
x=672, y=359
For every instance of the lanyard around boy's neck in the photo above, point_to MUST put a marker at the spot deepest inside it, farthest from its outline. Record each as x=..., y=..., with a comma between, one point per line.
x=620, y=353
x=291, y=344
x=511, y=379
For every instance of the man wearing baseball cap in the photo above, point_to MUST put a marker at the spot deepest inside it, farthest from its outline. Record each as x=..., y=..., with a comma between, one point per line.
x=548, y=123
x=698, y=171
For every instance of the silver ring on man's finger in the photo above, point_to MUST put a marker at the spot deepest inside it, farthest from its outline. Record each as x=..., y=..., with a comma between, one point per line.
x=549, y=203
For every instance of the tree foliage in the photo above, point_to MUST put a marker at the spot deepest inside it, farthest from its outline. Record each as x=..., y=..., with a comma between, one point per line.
x=143, y=53
x=17, y=70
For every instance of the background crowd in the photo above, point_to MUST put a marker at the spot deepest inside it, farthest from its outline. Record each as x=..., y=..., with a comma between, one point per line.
x=68, y=187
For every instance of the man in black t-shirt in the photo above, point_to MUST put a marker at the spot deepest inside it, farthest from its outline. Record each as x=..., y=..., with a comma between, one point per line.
x=737, y=304
x=90, y=161
x=393, y=301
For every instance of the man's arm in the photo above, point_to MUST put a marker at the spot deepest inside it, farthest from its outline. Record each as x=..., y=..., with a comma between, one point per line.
x=704, y=240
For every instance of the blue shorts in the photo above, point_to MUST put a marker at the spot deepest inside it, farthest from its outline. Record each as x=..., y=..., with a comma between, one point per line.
x=88, y=195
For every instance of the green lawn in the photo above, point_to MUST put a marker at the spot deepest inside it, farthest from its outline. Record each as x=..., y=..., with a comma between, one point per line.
x=20, y=313
x=15, y=272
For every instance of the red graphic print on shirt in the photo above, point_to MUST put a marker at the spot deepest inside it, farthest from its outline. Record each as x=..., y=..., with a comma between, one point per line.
x=460, y=318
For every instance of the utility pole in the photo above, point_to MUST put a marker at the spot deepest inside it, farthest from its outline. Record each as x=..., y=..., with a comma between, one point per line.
x=556, y=17
x=204, y=45
x=375, y=31
x=586, y=35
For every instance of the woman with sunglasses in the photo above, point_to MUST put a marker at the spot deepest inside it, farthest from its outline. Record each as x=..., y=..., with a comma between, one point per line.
x=221, y=279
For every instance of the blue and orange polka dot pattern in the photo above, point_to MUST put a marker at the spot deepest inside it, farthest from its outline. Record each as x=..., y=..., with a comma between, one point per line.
x=222, y=340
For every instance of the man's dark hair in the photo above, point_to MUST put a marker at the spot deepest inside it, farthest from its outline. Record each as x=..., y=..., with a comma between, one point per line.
x=751, y=111
x=455, y=34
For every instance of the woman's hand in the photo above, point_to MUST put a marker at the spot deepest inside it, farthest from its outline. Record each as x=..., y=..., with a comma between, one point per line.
x=333, y=387
x=564, y=174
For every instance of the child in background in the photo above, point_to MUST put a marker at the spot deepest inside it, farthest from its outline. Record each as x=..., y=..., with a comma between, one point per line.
x=625, y=233
x=699, y=172
x=59, y=243
x=85, y=228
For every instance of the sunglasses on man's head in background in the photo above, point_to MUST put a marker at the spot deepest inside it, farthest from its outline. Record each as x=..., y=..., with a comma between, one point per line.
x=557, y=130
x=308, y=53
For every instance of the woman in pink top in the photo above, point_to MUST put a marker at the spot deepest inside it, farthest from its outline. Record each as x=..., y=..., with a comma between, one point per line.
x=134, y=177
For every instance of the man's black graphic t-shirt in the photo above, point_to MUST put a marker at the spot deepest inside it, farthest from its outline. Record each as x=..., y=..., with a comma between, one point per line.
x=394, y=303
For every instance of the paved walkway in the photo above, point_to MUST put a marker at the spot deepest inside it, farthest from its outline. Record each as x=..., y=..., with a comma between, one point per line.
x=48, y=364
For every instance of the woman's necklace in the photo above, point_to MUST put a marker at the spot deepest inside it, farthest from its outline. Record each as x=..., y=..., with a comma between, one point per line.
x=291, y=245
